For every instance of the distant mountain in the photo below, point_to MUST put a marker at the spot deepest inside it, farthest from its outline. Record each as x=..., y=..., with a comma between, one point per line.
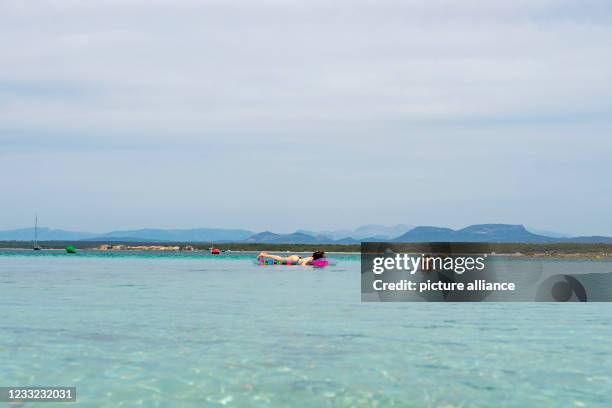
x=473, y=233
x=351, y=241
x=268, y=237
x=489, y=233
x=44, y=234
x=177, y=235
x=380, y=231
x=426, y=234
x=365, y=231
x=552, y=234
x=332, y=234
x=265, y=236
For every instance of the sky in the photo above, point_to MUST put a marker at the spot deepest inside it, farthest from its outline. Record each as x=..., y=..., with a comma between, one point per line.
x=280, y=115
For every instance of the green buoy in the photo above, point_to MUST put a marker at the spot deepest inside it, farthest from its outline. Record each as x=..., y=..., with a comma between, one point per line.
x=71, y=250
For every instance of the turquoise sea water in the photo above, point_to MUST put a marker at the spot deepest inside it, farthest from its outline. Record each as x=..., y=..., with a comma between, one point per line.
x=174, y=330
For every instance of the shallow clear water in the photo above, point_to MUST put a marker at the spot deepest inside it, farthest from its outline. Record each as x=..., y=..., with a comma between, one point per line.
x=195, y=330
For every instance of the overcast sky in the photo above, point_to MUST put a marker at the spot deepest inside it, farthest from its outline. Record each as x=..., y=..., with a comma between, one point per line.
x=305, y=114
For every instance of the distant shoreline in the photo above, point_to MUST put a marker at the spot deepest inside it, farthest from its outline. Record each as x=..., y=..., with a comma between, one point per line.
x=518, y=250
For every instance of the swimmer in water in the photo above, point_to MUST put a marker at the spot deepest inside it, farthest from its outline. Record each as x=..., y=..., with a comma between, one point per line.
x=293, y=259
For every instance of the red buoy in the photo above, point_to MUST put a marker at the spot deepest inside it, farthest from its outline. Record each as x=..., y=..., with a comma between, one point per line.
x=215, y=251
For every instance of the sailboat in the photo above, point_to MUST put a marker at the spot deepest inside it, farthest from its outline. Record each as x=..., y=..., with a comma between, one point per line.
x=36, y=247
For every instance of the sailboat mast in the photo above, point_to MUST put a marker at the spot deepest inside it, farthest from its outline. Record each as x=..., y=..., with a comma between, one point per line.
x=36, y=247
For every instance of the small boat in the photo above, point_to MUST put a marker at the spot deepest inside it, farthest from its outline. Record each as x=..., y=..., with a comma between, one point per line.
x=71, y=249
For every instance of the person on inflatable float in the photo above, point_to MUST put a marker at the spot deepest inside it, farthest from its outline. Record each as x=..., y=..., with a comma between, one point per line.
x=293, y=259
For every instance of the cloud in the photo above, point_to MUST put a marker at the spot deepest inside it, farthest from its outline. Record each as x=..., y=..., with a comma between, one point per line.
x=288, y=92
x=205, y=67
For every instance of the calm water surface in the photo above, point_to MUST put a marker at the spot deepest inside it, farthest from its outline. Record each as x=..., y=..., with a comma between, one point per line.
x=194, y=330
